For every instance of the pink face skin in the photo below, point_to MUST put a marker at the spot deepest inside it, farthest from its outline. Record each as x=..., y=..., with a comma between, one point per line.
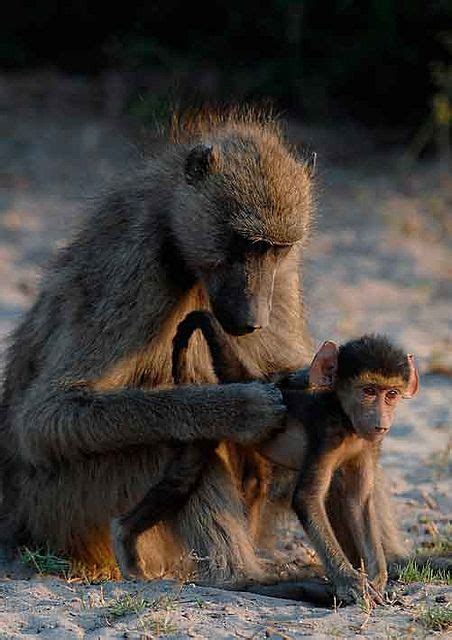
x=370, y=407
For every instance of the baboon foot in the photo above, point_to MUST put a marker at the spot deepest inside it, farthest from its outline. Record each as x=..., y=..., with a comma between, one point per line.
x=352, y=590
x=126, y=553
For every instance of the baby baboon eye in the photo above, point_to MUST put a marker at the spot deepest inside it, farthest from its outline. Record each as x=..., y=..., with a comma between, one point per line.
x=369, y=392
x=392, y=394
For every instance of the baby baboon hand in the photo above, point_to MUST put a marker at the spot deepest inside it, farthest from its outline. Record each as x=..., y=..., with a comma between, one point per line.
x=356, y=588
x=260, y=414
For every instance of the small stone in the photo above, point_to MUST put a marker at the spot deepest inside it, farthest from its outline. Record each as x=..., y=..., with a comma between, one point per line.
x=442, y=599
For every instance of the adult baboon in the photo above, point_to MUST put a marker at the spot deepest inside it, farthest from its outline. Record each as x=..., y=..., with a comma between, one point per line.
x=218, y=220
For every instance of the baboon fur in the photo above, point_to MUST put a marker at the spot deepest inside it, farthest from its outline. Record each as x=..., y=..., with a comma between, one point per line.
x=88, y=412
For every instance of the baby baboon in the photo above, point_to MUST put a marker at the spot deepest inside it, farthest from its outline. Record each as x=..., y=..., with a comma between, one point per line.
x=333, y=437
x=217, y=220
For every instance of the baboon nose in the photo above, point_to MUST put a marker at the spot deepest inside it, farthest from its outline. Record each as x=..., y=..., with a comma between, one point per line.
x=381, y=429
x=249, y=328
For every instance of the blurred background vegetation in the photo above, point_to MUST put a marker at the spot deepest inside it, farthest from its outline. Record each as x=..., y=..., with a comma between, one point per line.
x=380, y=62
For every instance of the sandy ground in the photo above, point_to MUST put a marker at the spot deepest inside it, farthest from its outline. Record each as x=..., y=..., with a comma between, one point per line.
x=377, y=262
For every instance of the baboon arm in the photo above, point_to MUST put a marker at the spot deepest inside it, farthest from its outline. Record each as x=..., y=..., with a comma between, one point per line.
x=309, y=505
x=362, y=520
x=374, y=556
x=69, y=423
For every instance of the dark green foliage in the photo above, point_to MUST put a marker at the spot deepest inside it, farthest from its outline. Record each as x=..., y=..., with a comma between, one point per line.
x=373, y=57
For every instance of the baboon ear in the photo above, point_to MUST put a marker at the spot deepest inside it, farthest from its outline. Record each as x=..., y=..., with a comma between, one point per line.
x=201, y=161
x=413, y=381
x=323, y=369
x=308, y=159
x=311, y=162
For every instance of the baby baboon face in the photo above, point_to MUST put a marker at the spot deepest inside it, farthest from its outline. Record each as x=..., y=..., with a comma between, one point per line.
x=371, y=407
x=381, y=376
x=248, y=204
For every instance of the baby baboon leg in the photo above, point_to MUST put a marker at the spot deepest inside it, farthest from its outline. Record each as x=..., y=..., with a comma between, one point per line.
x=341, y=523
x=355, y=524
x=215, y=530
x=161, y=502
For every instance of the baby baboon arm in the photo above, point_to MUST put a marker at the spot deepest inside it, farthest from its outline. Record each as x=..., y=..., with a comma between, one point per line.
x=227, y=366
x=309, y=505
x=66, y=424
x=373, y=553
x=360, y=516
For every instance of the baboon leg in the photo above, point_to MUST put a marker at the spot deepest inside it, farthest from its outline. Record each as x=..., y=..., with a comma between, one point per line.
x=161, y=502
x=211, y=525
x=309, y=504
x=215, y=529
x=373, y=550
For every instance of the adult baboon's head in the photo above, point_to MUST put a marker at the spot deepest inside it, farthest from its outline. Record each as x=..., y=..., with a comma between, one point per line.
x=244, y=205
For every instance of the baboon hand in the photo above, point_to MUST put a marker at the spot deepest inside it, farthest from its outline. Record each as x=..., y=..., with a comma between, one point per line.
x=261, y=413
x=356, y=588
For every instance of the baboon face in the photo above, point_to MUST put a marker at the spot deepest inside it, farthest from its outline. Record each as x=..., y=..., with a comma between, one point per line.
x=371, y=407
x=247, y=209
x=370, y=377
x=241, y=290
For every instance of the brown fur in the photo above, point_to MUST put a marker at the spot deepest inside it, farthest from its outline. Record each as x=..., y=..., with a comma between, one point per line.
x=340, y=496
x=88, y=412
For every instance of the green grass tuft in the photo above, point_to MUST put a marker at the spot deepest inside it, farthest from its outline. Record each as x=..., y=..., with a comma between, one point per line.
x=414, y=572
x=45, y=563
x=436, y=618
x=125, y=605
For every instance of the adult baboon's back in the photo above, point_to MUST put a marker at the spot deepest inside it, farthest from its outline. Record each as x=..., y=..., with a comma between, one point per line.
x=216, y=221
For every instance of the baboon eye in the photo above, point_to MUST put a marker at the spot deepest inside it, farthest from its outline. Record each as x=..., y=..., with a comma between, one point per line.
x=392, y=394
x=369, y=392
x=262, y=246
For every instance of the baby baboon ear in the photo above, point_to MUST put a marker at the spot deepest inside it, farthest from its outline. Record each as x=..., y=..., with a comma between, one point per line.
x=311, y=162
x=323, y=369
x=308, y=159
x=413, y=381
x=201, y=161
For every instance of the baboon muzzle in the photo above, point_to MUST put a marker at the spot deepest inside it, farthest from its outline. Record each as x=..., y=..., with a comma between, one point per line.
x=241, y=297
